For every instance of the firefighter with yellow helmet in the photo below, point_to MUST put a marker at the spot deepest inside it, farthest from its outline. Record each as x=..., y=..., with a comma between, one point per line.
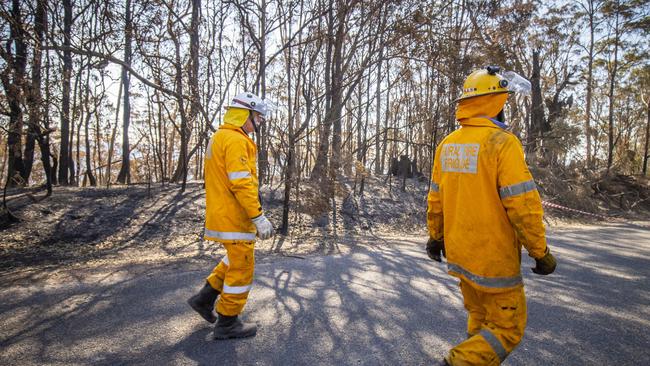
x=483, y=206
x=233, y=217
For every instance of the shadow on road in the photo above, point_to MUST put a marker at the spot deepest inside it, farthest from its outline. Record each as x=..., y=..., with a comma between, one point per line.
x=593, y=309
x=379, y=304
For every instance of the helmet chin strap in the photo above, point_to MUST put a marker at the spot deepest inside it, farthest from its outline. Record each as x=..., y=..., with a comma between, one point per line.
x=257, y=130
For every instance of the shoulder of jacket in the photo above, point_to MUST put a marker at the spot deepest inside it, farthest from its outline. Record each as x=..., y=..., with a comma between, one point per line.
x=449, y=136
x=512, y=138
x=502, y=137
x=233, y=136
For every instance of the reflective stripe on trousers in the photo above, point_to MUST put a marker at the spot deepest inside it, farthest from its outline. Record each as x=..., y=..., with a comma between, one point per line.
x=494, y=342
x=491, y=282
x=236, y=289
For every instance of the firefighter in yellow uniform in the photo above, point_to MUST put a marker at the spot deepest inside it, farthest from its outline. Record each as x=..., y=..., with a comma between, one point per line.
x=483, y=206
x=233, y=217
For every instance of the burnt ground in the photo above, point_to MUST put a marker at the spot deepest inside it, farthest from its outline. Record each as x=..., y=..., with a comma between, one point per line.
x=140, y=223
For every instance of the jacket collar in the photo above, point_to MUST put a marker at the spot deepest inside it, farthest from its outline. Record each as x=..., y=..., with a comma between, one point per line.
x=482, y=122
x=227, y=126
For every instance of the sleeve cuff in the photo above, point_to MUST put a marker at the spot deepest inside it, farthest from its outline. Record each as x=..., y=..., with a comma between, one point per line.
x=546, y=251
x=258, y=218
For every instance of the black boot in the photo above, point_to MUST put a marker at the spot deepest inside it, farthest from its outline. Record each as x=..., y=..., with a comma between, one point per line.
x=233, y=327
x=203, y=302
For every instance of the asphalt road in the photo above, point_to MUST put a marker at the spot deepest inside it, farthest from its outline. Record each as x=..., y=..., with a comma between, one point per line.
x=381, y=304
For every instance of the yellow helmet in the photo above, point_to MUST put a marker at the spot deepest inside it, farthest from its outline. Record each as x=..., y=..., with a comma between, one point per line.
x=485, y=81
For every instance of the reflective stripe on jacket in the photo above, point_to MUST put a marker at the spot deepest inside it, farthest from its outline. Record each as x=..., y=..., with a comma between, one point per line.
x=231, y=186
x=484, y=203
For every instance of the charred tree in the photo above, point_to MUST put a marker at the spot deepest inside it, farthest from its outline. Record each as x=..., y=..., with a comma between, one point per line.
x=64, y=146
x=124, y=176
x=537, y=120
x=13, y=78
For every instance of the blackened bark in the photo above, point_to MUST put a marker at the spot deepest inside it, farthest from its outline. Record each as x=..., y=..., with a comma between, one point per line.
x=13, y=78
x=319, y=172
x=124, y=176
x=534, y=134
x=611, y=96
x=89, y=171
x=647, y=138
x=64, y=150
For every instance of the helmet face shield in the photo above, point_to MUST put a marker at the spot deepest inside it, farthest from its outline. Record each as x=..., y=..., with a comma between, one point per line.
x=269, y=107
x=517, y=83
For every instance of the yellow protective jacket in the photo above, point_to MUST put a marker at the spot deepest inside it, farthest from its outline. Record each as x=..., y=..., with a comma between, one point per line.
x=484, y=203
x=231, y=186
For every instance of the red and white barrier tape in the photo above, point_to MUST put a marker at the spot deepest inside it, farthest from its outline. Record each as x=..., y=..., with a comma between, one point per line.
x=559, y=207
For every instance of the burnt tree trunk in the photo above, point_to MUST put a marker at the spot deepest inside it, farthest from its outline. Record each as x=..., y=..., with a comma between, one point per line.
x=13, y=78
x=64, y=149
x=537, y=111
x=37, y=120
x=590, y=67
x=319, y=172
x=378, y=166
x=647, y=139
x=124, y=176
x=611, y=97
x=89, y=171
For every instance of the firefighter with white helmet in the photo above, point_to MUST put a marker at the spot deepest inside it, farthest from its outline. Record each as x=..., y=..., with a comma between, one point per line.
x=234, y=216
x=483, y=206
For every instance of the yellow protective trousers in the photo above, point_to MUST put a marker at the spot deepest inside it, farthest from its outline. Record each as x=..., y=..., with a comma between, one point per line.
x=233, y=277
x=495, y=326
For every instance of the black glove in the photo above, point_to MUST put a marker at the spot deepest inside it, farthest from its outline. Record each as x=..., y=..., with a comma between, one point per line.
x=435, y=248
x=545, y=265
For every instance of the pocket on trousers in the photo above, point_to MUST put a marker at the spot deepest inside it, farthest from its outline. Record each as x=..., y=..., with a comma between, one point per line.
x=506, y=312
x=243, y=254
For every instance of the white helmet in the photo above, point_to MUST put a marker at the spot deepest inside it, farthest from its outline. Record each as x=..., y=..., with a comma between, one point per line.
x=251, y=102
